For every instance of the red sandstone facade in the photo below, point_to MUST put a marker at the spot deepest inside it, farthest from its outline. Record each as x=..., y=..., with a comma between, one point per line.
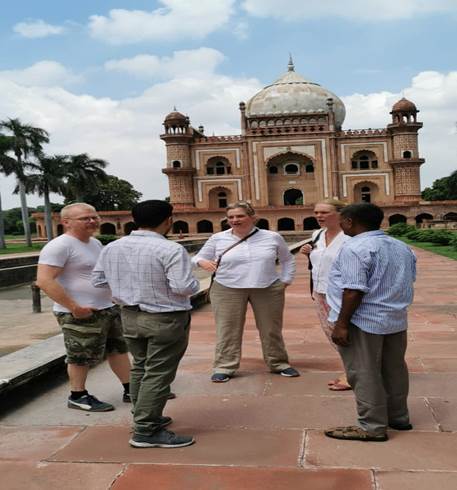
x=292, y=152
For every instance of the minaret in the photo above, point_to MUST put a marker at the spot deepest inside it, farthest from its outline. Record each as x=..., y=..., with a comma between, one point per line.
x=405, y=162
x=178, y=137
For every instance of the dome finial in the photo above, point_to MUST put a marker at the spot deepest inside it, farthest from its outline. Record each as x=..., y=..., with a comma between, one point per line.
x=174, y=108
x=290, y=66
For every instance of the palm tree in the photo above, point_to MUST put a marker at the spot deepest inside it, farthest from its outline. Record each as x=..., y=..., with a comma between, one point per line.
x=6, y=167
x=83, y=173
x=49, y=177
x=27, y=141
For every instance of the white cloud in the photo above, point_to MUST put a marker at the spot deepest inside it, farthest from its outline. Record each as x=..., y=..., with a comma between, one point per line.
x=178, y=19
x=435, y=95
x=42, y=73
x=34, y=29
x=189, y=62
x=361, y=10
x=126, y=132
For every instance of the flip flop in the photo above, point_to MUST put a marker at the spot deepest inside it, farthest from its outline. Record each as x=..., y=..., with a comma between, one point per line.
x=354, y=433
x=339, y=387
x=333, y=382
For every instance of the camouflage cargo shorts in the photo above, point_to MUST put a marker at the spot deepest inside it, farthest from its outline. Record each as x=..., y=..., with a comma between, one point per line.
x=88, y=340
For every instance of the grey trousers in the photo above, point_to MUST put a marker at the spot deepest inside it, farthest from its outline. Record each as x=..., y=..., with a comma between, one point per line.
x=229, y=307
x=376, y=369
x=157, y=342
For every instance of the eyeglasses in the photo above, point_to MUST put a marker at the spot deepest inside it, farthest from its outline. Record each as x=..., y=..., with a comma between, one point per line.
x=86, y=219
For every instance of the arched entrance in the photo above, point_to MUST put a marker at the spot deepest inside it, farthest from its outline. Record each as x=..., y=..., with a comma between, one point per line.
x=107, y=229
x=219, y=197
x=224, y=225
x=128, y=227
x=204, y=226
x=397, y=218
x=180, y=227
x=420, y=217
x=286, y=224
x=310, y=223
x=263, y=224
x=450, y=217
x=293, y=197
x=365, y=192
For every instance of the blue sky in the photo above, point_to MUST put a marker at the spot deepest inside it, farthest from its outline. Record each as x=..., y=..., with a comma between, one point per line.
x=100, y=76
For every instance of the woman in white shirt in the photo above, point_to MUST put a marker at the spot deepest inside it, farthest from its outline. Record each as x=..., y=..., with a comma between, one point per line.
x=243, y=259
x=330, y=238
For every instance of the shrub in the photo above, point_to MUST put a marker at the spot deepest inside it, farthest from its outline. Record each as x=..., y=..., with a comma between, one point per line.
x=453, y=241
x=441, y=237
x=412, y=234
x=400, y=229
x=105, y=239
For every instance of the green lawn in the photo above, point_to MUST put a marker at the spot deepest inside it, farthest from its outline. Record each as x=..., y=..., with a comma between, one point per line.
x=16, y=248
x=445, y=250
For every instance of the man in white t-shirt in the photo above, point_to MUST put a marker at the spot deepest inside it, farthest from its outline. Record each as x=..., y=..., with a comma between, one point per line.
x=90, y=321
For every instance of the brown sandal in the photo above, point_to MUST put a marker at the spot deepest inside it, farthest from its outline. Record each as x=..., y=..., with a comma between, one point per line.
x=354, y=433
x=339, y=387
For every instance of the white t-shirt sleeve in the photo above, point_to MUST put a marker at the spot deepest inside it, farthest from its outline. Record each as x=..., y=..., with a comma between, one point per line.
x=55, y=254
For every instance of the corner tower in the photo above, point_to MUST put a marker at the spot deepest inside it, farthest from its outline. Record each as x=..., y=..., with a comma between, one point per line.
x=178, y=136
x=406, y=162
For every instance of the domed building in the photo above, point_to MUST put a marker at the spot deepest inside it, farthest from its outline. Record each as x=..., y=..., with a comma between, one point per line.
x=292, y=152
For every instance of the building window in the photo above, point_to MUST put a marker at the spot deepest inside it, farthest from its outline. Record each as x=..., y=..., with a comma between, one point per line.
x=273, y=169
x=218, y=166
x=309, y=169
x=291, y=169
x=407, y=154
x=293, y=197
x=176, y=164
x=365, y=194
x=222, y=200
x=364, y=160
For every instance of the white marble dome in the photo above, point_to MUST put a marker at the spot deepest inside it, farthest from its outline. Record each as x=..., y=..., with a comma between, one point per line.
x=292, y=94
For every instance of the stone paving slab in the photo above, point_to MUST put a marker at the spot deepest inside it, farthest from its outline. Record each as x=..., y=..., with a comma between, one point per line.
x=404, y=451
x=236, y=447
x=420, y=480
x=223, y=478
x=58, y=476
x=259, y=430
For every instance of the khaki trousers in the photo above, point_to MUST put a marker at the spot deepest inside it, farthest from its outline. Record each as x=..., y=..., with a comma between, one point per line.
x=229, y=307
x=376, y=369
x=157, y=342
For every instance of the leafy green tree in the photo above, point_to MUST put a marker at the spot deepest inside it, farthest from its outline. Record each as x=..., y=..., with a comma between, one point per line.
x=84, y=175
x=26, y=141
x=111, y=194
x=49, y=176
x=6, y=167
x=442, y=189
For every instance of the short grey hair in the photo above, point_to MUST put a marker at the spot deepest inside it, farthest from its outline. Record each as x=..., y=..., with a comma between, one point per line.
x=66, y=210
x=250, y=211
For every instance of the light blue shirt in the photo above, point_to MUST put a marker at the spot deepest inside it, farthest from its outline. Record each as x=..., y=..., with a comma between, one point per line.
x=147, y=270
x=384, y=269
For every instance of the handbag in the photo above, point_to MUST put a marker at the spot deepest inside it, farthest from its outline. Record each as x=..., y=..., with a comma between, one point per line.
x=310, y=265
x=213, y=275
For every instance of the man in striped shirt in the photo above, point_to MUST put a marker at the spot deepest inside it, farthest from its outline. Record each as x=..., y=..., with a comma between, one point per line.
x=370, y=288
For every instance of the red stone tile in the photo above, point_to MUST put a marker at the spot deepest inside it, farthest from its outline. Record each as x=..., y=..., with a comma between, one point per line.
x=445, y=412
x=58, y=476
x=200, y=384
x=432, y=384
x=213, y=447
x=405, y=451
x=443, y=365
x=33, y=443
x=421, y=480
x=222, y=478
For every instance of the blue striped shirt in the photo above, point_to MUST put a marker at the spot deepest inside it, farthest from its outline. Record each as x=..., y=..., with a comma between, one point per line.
x=384, y=269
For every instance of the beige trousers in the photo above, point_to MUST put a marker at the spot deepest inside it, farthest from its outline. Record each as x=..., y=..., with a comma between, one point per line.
x=229, y=307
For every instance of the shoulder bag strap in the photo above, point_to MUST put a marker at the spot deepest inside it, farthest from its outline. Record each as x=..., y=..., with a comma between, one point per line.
x=310, y=265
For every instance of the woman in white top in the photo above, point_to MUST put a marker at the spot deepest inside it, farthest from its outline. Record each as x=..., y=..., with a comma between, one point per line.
x=330, y=238
x=243, y=259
